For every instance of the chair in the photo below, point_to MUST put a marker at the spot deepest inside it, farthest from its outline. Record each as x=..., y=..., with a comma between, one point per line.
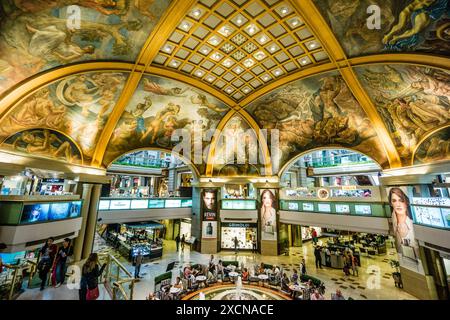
x=371, y=252
x=253, y=279
x=362, y=250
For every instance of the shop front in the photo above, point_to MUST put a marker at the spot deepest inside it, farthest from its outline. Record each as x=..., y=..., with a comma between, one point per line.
x=243, y=231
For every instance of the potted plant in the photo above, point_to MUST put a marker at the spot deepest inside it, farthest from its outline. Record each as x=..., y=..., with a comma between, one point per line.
x=396, y=275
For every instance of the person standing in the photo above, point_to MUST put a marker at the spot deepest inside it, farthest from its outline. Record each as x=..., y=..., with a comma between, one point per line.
x=354, y=265
x=254, y=249
x=314, y=236
x=318, y=257
x=177, y=241
x=183, y=239
x=89, y=278
x=236, y=245
x=61, y=260
x=303, y=267
x=47, y=256
x=138, y=263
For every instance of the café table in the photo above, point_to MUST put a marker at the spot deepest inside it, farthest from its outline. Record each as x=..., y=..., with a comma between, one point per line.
x=296, y=288
x=201, y=280
x=263, y=277
x=175, y=290
x=233, y=275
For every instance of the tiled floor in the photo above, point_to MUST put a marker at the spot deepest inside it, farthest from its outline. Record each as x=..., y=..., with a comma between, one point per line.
x=373, y=283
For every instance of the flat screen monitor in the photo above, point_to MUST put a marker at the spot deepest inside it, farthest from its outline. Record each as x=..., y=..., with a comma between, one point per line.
x=75, y=209
x=59, y=210
x=33, y=213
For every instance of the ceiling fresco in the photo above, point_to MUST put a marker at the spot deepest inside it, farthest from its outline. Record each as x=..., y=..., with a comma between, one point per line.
x=405, y=25
x=158, y=108
x=435, y=148
x=411, y=100
x=38, y=35
x=228, y=160
x=77, y=106
x=316, y=112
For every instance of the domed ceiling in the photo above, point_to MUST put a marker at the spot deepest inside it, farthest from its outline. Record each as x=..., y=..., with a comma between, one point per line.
x=85, y=81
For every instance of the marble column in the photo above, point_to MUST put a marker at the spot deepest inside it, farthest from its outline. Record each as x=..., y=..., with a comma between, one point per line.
x=91, y=222
x=84, y=189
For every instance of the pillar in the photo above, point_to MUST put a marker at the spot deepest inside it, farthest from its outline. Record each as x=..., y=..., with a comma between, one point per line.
x=296, y=232
x=83, y=189
x=196, y=221
x=91, y=222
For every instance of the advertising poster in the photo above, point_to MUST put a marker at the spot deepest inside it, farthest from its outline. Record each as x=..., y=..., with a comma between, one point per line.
x=209, y=229
x=75, y=209
x=268, y=214
x=35, y=212
x=59, y=210
x=402, y=223
x=209, y=204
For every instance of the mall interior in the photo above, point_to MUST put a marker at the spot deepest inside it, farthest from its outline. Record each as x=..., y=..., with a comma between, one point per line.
x=224, y=150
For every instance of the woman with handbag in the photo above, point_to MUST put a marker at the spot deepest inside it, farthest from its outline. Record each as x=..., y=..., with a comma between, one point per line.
x=47, y=257
x=89, y=278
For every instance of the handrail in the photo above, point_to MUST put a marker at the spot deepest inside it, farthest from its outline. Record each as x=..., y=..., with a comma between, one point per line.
x=115, y=279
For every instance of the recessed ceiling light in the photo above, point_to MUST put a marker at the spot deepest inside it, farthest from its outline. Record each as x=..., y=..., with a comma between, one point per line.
x=239, y=20
x=196, y=13
x=248, y=63
x=277, y=72
x=205, y=51
x=246, y=90
x=210, y=79
x=174, y=63
x=284, y=10
x=295, y=22
x=167, y=49
x=266, y=78
x=229, y=90
x=216, y=56
x=238, y=70
x=304, y=61
x=199, y=73
x=312, y=45
x=263, y=39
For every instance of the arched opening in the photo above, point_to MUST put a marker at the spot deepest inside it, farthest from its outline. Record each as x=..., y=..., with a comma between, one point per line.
x=330, y=167
x=151, y=172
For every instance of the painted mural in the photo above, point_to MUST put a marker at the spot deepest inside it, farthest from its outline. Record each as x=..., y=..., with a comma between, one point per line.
x=39, y=35
x=45, y=143
x=228, y=160
x=434, y=148
x=78, y=106
x=405, y=25
x=158, y=108
x=316, y=112
x=411, y=100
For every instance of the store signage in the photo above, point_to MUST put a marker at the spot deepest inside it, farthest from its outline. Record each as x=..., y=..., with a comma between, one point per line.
x=324, y=207
x=120, y=204
x=173, y=203
x=139, y=204
x=438, y=202
x=209, y=215
x=308, y=207
x=348, y=187
x=323, y=194
x=363, y=209
x=342, y=208
x=293, y=206
x=103, y=205
x=429, y=216
x=53, y=180
x=155, y=204
x=237, y=225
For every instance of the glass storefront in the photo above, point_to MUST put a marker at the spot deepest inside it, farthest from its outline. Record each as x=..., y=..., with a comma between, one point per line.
x=243, y=232
x=185, y=229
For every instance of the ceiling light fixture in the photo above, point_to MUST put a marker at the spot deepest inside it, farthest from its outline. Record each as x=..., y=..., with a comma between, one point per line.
x=196, y=13
x=238, y=70
x=284, y=10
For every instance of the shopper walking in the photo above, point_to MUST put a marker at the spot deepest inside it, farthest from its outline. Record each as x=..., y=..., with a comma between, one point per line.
x=177, y=241
x=89, y=278
x=61, y=260
x=303, y=267
x=236, y=245
x=137, y=265
x=47, y=256
x=314, y=236
x=318, y=258
x=183, y=239
x=354, y=265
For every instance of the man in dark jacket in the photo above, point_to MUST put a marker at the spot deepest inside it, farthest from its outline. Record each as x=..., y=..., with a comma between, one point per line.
x=318, y=258
x=177, y=241
x=61, y=260
x=47, y=256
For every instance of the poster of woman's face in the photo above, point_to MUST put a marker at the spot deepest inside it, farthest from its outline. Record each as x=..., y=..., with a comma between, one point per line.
x=402, y=223
x=268, y=215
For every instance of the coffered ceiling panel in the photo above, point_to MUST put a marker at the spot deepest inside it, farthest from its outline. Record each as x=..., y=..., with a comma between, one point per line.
x=237, y=46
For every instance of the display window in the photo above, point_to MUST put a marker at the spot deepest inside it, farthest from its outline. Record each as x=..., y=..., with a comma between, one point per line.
x=243, y=231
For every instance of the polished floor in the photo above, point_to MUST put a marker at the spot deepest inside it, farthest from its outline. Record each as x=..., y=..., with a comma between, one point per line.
x=373, y=283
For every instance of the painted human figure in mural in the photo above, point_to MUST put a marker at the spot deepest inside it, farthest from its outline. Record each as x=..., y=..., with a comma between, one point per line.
x=155, y=88
x=403, y=224
x=170, y=111
x=268, y=216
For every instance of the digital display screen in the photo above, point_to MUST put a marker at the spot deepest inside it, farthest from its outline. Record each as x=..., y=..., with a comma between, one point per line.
x=239, y=204
x=342, y=208
x=324, y=207
x=429, y=216
x=75, y=209
x=119, y=204
x=139, y=204
x=173, y=203
x=308, y=207
x=186, y=203
x=363, y=209
x=59, y=210
x=12, y=258
x=156, y=203
x=35, y=212
x=103, y=205
x=293, y=206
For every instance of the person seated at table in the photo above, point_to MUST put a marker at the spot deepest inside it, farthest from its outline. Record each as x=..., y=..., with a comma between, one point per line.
x=285, y=283
x=187, y=272
x=294, y=277
x=212, y=266
x=310, y=286
x=179, y=285
x=275, y=270
x=261, y=269
x=245, y=274
x=337, y=296
x=317, y=296
x=220, y=270
x=151, y=296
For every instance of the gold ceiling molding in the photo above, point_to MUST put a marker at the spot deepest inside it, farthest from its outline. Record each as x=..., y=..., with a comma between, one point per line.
x=322, y=31
x=238, y=46
x=187, y=79
x=328, y=147
x=162, y=30
x=22, y=90
x=425, y=137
